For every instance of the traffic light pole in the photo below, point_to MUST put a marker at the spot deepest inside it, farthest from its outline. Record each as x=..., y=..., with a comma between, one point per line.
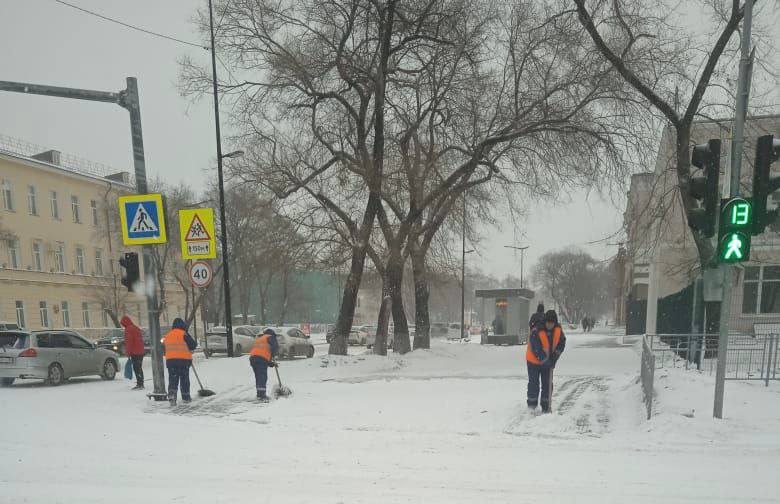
x=127, y=99
x=738, y=140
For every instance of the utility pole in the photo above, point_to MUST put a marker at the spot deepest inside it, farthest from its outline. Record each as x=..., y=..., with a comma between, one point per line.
x=463, y=274
x=522, y=260
x=220, y=157
x=737, y=143
x=127, y=99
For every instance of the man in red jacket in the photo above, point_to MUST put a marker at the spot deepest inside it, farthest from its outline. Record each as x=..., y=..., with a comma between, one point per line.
x=134, y=348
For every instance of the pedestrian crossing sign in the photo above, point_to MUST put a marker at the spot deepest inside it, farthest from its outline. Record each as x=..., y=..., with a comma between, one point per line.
x=196, y=228
x=143, y=219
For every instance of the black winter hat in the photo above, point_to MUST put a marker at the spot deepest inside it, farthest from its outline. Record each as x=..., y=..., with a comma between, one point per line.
x=551, y=316
x=540, y=308
x=270, y=332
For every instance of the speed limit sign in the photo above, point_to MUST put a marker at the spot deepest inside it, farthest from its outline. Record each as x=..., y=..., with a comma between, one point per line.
x=200, y=274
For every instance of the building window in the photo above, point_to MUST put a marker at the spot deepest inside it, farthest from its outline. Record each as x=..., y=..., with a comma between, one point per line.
x=44, y=314
x=13, y=253
x=761, y=290
x=36, y=257
x=32, y=203
x=8, y=195
x=55, y=205
x=103, y=315
x=59, y=257
x=79, y=260
x=65, y=314
x=20, y=314
x=85, y=314
x=74, y=206
x=93, y=207
x=99, y=262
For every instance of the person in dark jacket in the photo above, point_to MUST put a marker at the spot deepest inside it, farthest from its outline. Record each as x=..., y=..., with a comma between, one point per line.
x=537, y=319
x=178, y=359
x=545, y=347
x=261, y=358
x=498, y=326
x=134, y=349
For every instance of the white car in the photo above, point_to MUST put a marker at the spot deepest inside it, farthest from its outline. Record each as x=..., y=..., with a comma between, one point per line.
x=243, y=339
x=55, y=356
x=358, y=336
x=292, y=341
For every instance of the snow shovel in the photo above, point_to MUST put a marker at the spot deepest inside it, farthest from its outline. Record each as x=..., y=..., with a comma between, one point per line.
x=202, y=392
x=279, y=389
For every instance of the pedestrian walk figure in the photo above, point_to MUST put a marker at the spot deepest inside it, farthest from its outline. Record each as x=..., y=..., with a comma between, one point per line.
x=141, y=223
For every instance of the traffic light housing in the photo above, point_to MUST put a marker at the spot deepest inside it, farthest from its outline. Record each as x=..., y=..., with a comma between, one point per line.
x=131, y=274
x=767, y=152
x=705, y=188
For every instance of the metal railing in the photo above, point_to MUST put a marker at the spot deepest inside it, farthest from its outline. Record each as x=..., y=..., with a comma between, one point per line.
x=647, y=374
x=749, y=356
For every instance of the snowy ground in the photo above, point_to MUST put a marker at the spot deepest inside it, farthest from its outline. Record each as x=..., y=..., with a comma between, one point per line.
x=447, y=425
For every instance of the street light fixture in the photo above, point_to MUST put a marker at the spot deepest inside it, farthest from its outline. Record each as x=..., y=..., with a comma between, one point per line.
x=522, y=259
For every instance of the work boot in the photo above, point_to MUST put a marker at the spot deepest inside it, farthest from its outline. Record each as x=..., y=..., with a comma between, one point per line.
x=545, y=408
x=261, y=395
x=172, y=399
x=187, y=399
x=139, y=386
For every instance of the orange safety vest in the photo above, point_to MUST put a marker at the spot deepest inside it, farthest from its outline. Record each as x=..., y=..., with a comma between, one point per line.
x=175, y=346
x=261, y=347
x=529, y=353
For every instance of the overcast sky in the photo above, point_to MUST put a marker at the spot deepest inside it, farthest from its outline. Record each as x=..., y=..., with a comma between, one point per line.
x=46, y=42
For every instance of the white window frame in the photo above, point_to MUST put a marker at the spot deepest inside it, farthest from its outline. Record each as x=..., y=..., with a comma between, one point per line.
x=8, y=195
x=760, y=281
x=14, y=253
x=65, y=309
x=74, y=208
x=20, y=321
x=37, y=256
x=85, y=314
x=43, y=310
x=32, y=200
x=80, y=266
x=54, y=205
x=59, y=257
x=93, y=206
x=99, y=262
x=103, y=315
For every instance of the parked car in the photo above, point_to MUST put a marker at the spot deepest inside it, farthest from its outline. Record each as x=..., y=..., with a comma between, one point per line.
x=114, y=339
x=358, y=335
x=243, y=339
x=292, y=342
x=370, y=335
x=9, y=326
x=55, y=356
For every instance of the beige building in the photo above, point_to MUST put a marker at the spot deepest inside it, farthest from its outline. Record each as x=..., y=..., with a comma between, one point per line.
x=58, y=257
x=661, y=257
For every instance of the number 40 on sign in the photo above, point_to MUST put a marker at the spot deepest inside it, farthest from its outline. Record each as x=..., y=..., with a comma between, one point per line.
x=200, y=274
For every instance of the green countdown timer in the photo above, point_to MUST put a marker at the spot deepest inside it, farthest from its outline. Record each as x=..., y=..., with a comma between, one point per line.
x=736, y=221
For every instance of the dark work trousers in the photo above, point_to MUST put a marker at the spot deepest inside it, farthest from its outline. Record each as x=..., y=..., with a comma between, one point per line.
x=537, y=373
x=260, y=367
x=179, y=375
x=138, y=369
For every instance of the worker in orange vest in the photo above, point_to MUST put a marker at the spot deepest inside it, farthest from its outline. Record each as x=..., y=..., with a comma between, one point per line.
x=261, y=358
x=178, y=359
x=545, y=346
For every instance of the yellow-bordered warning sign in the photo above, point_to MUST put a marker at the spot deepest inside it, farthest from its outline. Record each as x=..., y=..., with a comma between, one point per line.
x=196, y=228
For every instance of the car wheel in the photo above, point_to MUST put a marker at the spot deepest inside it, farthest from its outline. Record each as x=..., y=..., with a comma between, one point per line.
x=109, y=370
x=56, y=375
x=7, y=382
x=237, y=351
x=310, y=352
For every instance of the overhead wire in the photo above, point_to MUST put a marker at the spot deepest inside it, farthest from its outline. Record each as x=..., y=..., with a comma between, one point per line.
x=132, y=27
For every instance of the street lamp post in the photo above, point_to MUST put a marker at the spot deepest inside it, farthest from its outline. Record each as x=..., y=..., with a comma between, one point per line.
x=522, y=260
x=463, y=290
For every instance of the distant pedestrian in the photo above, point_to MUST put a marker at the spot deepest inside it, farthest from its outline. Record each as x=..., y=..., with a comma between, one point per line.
x=498, y=326
x=545, y=347
x=261, y=358
x=178, y=359
x=537, y=319
x=585, y=324
x=134, y=349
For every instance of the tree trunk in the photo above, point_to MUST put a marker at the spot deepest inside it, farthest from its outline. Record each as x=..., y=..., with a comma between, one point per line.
x=394, y=274
x=380, y=341
x=422, y=293
x=285, y=295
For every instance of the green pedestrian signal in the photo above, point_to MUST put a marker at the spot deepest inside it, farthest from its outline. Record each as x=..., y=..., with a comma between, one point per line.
x=736, y=223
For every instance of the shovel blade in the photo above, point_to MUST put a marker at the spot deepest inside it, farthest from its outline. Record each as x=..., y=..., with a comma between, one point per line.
x=206, y=393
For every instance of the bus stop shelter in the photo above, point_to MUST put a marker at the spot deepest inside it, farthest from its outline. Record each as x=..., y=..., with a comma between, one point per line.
x=507, y=312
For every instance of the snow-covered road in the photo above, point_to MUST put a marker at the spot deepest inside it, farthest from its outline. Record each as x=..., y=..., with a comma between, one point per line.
x=447, y=425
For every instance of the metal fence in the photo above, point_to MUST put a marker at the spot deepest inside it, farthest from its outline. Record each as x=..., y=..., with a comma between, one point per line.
x=749, y=356
x=647, y=373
